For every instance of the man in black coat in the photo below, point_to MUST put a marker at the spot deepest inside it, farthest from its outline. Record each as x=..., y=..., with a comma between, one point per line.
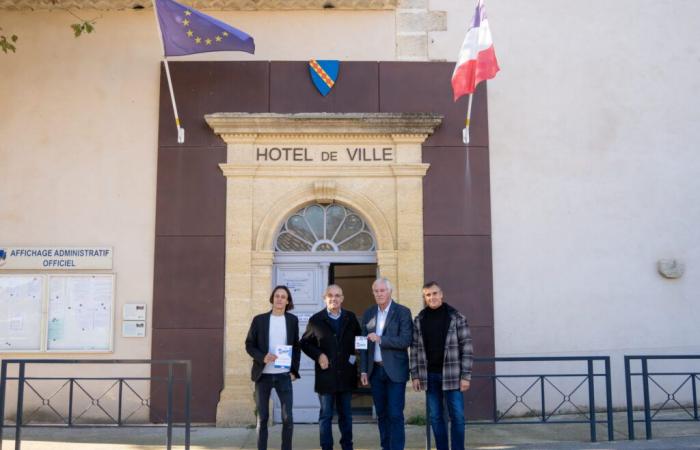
x=330, y=341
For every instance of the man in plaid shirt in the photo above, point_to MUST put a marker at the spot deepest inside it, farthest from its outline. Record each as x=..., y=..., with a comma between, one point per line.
x=441, y=364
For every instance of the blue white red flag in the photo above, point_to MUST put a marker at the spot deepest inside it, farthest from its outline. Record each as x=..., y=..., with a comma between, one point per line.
x=477, y=58
x=186, y=31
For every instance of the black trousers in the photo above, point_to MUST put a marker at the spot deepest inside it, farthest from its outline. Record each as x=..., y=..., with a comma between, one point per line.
x=282, y=384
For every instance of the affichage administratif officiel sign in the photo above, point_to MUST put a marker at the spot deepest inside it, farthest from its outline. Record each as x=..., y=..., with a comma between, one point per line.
x=55, y=258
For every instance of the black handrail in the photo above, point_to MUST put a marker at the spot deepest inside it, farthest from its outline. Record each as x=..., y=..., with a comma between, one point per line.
x=23, y=380
x=647, y=376
x=589, y=375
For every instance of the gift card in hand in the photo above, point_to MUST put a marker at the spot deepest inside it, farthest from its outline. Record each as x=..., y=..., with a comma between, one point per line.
x=360, y=343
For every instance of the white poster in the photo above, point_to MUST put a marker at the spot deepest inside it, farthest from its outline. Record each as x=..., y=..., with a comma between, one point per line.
x=80, y=312
x=300, y=283
x=20, y=312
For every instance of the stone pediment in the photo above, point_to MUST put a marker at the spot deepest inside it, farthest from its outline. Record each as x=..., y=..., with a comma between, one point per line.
x=324, y=124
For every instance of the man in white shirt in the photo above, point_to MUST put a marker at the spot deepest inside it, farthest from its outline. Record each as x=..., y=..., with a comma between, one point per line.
x=389, y=330
x=271, y=338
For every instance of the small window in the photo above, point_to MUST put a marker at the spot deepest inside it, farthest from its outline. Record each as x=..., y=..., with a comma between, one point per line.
x=324, y=228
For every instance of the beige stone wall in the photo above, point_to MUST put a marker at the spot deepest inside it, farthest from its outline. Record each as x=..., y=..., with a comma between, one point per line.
x=594, y=163
x=79, y=127
x=78, y=135
x=593, y=125
x=77, y=151
x=416, y=20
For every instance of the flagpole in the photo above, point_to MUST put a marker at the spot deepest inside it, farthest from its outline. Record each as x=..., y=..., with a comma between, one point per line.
x=180, y=130
x=467, y=164
x=467, y=122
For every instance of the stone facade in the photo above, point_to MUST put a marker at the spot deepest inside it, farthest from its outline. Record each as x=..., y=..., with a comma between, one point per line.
x=387, y=193
x=414, y=23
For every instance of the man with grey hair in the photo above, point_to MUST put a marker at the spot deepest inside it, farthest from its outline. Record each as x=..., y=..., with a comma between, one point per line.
x=384, y=363
x=330, y=341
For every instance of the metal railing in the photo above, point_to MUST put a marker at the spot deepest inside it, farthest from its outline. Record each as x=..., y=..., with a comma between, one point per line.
x=78, y=386
x=540, y=414
x=654, y=378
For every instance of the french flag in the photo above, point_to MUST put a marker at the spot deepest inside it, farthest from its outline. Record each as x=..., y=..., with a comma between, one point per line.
x=477, y=59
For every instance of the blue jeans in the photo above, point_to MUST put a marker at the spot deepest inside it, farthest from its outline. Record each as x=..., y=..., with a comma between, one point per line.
x=436, y=399
x=282, y=384
x=389, y=399
x=325, y=419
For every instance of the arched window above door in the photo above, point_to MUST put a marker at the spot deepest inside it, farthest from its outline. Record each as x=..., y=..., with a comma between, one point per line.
x=324, y=228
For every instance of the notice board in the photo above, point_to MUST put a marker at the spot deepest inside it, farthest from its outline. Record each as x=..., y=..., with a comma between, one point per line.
x=80, y=312
x=21, y=298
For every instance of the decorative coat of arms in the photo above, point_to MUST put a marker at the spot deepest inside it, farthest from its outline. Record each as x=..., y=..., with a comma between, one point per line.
x=323, y=74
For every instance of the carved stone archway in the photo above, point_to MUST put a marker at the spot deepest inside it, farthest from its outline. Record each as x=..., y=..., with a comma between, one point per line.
x=279, y=162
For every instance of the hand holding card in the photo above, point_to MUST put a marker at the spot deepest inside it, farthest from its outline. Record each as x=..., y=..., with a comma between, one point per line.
x=360, y=343
x=284, y=357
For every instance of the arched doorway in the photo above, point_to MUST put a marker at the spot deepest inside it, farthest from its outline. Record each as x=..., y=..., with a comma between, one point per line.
x=386, y=190
x=317, y=245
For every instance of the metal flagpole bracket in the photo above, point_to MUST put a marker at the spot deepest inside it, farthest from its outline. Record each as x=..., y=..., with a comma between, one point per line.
x=180, y=135
x=467, y=122
x=180, y=130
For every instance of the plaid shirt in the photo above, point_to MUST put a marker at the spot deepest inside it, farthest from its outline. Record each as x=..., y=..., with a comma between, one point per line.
x=458, y=352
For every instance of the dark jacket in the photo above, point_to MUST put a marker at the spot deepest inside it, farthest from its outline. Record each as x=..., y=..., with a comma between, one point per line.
x=258, y=340
x=458, y=351
x=396, y=338
x=320, y=337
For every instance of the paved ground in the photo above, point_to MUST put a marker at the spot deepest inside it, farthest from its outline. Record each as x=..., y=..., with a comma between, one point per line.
x=671, y=436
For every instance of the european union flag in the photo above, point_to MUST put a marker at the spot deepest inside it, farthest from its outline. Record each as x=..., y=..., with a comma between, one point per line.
x=187, y=31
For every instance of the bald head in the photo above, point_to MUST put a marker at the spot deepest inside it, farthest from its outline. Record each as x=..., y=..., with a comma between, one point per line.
x=333, y=297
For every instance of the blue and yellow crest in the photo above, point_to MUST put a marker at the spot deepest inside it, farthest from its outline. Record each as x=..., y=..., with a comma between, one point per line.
x=324, y=74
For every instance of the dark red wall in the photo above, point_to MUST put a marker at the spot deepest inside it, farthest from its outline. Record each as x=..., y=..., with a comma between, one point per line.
x=188, y=316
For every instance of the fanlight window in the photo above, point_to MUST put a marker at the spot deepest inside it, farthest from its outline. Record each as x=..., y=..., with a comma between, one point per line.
x=324, y=228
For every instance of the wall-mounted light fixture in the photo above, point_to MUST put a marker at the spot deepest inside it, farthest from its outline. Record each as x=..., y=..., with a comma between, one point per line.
x=671, y=268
